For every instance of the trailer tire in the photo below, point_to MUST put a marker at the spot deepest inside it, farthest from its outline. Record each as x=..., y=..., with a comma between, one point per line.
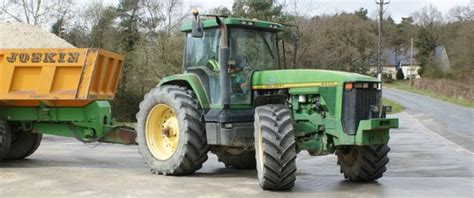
x=5, y=139
x=363, y=163
x=238, y=159
x=177, y=145
x=275, y=147
x=24, y=144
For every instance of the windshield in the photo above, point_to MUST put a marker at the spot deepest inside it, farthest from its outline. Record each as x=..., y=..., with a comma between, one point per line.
x=202, y=51
x=254, y=49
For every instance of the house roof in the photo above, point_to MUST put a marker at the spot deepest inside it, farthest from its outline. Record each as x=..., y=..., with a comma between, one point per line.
x=392, y=58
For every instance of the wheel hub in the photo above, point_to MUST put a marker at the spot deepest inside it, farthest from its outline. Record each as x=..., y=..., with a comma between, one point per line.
x=162, y=132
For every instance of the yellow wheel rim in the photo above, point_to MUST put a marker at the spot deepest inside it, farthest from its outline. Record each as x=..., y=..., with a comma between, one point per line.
x=162, y=132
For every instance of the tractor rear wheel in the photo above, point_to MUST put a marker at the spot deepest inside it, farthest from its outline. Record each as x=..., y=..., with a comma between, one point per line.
x=5, y=139
x=24, y=144
x=170, y=133
x=275, y=147
x=363, y=163
x=236, y=158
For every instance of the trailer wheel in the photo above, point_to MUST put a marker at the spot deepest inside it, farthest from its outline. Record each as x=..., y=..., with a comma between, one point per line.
x=5, y=139
x=363, y=163
x=235, y=158
x=275, y=148
x=24, y=144
x=170, y=132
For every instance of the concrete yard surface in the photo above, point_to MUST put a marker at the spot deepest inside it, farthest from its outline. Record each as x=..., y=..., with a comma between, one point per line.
x=422, y=164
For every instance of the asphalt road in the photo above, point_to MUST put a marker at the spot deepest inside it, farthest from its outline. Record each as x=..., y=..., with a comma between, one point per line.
x=422, y=164
x=454, y=122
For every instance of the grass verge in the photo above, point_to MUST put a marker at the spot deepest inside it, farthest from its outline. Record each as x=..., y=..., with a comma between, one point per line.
x=404, y=85
x=396, y=108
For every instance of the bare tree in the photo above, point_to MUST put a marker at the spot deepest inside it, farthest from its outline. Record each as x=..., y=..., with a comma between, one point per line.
x=462, y=13
x=428, y=16
x=35, y=12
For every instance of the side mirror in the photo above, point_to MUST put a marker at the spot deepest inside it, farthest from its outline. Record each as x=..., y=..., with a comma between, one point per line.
x=197, y=30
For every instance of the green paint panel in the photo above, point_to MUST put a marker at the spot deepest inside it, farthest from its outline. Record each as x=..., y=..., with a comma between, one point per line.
x=298, y=76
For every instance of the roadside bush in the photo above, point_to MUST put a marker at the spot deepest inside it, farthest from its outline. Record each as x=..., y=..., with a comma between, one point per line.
x=446, y=87
x=400, y=75
x=387, y=78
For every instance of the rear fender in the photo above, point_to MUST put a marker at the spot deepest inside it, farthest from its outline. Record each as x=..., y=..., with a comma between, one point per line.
x=191, y=81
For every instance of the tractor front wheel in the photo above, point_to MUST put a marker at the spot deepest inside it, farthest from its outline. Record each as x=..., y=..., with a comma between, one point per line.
x=170, y=133
x=5, y=139
x=275, y=147
x=363, y=163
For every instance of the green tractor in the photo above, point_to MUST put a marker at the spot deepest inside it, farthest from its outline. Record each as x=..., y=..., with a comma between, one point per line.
x=235, y=100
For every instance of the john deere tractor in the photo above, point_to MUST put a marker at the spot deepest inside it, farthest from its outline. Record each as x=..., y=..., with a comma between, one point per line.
x=235, y=100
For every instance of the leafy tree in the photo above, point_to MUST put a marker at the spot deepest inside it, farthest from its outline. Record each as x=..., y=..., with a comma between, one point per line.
x=224, y=11
x=129, y=15
x=104, y=33
x=361, y=13
x=343, y=42
x=267, y=10
x=390, y=20
x=58, y=27
x=429, y=20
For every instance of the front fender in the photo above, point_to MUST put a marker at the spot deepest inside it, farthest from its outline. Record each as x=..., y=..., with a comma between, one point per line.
x=190, y=81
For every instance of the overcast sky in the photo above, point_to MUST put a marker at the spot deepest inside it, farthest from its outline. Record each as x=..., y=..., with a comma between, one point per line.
x=396, y=8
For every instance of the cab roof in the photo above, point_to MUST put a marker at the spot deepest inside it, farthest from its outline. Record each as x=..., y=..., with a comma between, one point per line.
x=237, y=22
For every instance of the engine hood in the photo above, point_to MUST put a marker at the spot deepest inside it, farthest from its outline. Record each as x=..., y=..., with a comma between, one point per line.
x=278, y=79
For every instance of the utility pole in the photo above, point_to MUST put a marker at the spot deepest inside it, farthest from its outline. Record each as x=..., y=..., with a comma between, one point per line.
x=381, y=3
x=411, y=62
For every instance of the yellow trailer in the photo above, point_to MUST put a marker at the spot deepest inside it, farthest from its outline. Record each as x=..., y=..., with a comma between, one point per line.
x=58, y=77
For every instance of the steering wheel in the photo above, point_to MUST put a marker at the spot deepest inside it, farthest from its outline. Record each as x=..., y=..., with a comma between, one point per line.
x=213, y=65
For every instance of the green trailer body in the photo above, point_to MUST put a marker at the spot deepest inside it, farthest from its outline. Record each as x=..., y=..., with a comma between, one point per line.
x=91, y=123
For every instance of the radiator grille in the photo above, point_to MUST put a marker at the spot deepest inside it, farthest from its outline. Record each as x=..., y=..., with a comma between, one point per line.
x=356, y=107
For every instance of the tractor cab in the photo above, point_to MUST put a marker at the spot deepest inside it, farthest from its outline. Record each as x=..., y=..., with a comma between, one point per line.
x=252, y=46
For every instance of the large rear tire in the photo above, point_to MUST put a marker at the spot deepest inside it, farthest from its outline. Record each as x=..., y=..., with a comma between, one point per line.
x=363, y=163
x=235, y=158
x=24, y=144
x=170, y=132
x=275, y=147
x=5, y=139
